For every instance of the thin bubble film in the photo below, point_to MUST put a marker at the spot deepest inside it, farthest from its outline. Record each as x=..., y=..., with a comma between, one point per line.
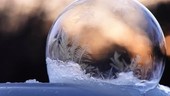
x=107, y=38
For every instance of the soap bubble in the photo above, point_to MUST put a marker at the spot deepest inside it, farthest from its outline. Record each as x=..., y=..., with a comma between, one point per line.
x=106, y=40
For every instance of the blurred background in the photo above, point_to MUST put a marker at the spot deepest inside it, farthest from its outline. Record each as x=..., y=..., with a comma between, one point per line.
x=24, y=25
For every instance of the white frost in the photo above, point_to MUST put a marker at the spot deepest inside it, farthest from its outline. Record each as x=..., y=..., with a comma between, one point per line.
x=69, y=72
x=59, y=71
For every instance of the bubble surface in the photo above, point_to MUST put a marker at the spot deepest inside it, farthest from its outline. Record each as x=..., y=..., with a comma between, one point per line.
x=114, y=41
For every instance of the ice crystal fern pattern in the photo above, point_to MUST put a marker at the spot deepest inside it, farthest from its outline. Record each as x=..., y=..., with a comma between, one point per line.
x=67, y=49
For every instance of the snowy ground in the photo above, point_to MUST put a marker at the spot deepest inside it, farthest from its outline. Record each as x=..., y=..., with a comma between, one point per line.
x=80, y=89
x=70, y=73
x=79, y=85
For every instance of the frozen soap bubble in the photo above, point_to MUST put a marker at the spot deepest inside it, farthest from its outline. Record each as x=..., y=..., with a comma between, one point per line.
x=115, y=41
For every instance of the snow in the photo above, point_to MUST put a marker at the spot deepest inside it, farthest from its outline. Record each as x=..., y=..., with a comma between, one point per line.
x=61, y=75
x=64, y=72
x=81, y=89
x=32, y=81
x=82, y=84
x=165, y=89
x=59, y=71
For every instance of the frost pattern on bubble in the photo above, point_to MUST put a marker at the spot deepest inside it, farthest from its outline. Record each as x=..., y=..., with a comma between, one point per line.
x=114, y=41
x=70, y=72
x=61, y=71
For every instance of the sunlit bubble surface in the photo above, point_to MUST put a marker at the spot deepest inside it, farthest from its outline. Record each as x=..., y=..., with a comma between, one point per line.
x=113, y=41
